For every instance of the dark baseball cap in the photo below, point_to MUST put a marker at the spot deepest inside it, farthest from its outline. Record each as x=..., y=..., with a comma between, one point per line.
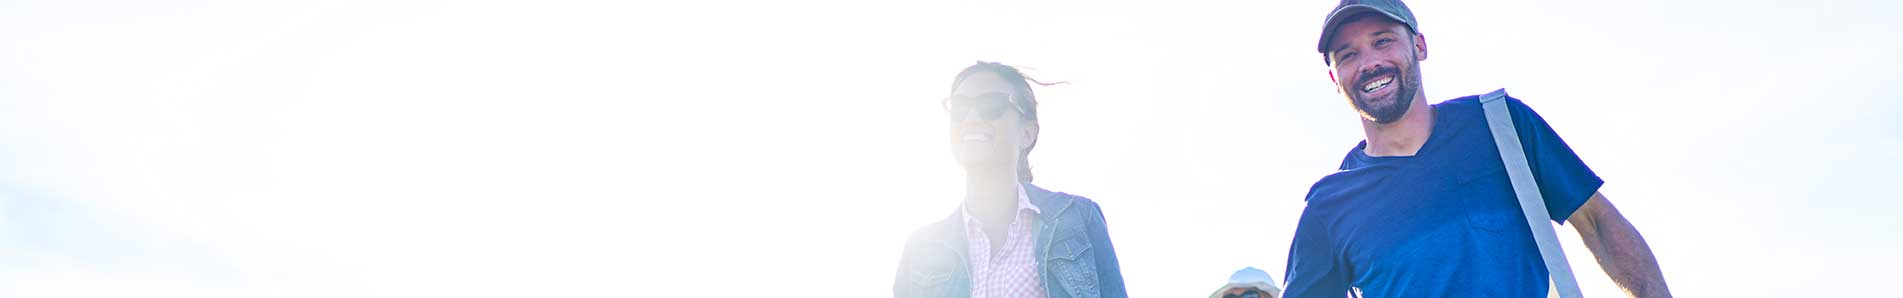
x=1393, y=9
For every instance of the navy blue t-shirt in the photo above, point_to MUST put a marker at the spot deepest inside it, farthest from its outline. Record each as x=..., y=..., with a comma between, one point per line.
x=1441, y=223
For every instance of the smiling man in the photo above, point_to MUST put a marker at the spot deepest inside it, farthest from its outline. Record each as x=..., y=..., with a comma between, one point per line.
x=1424, y=206
x=1009, y=238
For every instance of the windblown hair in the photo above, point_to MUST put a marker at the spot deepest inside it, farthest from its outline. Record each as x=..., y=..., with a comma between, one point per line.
x=1021, y=95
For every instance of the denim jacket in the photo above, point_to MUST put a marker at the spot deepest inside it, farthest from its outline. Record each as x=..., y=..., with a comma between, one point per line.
x=1074, y=256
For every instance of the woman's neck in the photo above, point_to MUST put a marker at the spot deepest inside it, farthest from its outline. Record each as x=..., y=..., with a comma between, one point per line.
x=992, y=196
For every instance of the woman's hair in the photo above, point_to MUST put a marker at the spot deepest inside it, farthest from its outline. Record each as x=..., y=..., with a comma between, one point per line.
x=1021, y=95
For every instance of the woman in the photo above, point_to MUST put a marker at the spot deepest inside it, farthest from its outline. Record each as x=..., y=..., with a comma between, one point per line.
x=1009, y=238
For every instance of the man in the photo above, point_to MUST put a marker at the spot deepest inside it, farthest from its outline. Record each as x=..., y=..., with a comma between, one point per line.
x=1423, y=207
x=1248, y=283
x=1009, y=238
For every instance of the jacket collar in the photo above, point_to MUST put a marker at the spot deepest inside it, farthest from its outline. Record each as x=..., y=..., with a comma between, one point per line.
x=1049, y=203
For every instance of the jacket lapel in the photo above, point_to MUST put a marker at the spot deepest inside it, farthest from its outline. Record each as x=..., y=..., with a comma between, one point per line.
x=1051, y=206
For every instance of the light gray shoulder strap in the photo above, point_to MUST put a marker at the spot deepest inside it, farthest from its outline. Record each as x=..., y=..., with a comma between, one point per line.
x=1531, y=204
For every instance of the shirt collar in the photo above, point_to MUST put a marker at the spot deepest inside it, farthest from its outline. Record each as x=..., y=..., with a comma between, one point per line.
x=1024, y=204
x=1024, y=201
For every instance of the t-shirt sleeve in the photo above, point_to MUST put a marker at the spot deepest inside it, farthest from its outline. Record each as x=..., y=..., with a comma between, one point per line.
x=1314, y=268
x=1565, y=181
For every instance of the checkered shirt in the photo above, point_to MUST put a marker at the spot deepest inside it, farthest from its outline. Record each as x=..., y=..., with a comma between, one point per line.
x=1010, y=272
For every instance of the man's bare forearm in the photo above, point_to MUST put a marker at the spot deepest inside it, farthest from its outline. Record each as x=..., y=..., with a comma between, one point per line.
x=1620, y=250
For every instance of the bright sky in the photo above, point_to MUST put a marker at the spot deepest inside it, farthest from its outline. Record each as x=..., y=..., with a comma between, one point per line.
x=577, y=149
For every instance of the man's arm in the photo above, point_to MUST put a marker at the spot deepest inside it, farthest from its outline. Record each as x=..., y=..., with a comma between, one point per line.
x=1619, y=248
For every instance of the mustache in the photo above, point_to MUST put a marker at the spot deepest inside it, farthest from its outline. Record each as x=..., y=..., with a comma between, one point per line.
x=1368, y=76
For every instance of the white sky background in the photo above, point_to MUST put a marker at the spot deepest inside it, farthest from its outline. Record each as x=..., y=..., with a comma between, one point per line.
x=418, y=148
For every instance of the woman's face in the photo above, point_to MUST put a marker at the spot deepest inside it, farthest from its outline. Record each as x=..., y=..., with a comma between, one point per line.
x=987, y=131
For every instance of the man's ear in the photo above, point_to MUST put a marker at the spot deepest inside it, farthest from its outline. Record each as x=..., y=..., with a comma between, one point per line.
x=1420, y=47
x=1331, y=79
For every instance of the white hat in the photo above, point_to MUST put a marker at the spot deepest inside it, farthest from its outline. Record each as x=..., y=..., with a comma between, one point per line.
x=1249, y=277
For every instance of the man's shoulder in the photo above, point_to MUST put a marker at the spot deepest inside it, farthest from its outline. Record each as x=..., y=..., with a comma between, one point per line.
x=1462, y=124
x=1471, y=105
x=1459, y=108
x=1469, y=100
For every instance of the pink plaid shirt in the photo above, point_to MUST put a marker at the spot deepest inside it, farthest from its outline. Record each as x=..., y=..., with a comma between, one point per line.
x=1010, y=272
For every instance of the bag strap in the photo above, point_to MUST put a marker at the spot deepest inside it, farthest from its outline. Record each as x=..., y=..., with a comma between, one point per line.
x=1507, y=138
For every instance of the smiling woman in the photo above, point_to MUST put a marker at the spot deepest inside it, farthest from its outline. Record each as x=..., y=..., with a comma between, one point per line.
x=987, y=247
x=989, y=88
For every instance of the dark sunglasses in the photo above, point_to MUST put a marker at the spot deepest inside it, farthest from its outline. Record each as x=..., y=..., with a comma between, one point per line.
x=989, y=105
x=1252, y=293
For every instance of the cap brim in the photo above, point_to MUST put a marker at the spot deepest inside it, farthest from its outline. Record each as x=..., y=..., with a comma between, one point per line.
x=1335, y=18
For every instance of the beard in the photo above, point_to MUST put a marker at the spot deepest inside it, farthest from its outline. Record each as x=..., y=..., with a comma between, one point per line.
x=1390, y=108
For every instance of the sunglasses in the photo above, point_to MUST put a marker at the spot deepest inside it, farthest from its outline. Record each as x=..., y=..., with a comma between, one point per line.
x=1247, y=294
x=989, y=105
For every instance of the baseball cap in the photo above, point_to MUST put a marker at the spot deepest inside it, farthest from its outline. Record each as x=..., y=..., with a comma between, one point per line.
x=1393, y=9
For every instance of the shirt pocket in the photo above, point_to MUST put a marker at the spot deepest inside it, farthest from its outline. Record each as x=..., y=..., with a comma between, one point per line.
x=1492, y=213
x=1486, y=197
x=1070, y=264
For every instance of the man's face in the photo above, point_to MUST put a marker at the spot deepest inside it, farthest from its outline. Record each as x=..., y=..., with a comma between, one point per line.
x=1377, y=65
x=987, y=130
